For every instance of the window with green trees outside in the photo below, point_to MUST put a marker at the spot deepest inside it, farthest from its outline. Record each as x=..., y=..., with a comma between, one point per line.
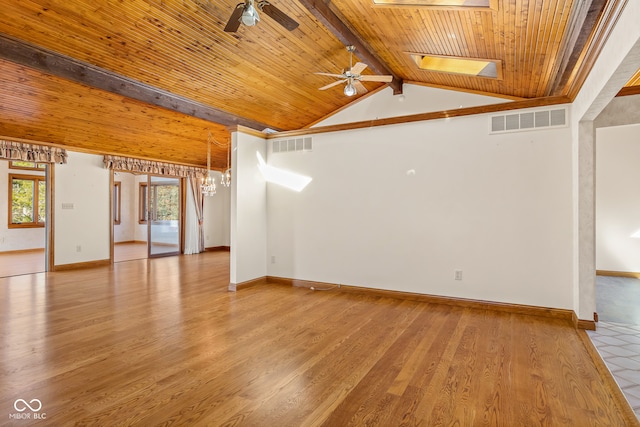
x=27, y=201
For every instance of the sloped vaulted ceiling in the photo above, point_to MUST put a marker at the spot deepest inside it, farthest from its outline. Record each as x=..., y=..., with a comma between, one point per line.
x=150, y=78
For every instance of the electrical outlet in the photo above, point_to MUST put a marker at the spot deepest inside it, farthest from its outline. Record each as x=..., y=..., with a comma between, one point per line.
x=273, y=259
x=78, y=248
x=457, y=274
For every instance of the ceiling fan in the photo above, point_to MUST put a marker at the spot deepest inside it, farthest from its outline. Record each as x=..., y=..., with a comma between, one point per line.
x=247, y=14
x=352, y=77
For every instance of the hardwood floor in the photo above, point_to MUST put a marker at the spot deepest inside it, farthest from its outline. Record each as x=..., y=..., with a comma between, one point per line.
x=162, y=341
x=128, y=251
x=22, y=262
x=32, y=261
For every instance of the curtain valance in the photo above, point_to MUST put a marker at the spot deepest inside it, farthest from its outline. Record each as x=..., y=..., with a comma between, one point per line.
x=12, y=150
x=131, y=164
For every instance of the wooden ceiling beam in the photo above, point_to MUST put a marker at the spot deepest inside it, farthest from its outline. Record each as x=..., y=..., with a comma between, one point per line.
x=586, y=16
x=629, y=90
x=322, y=11
x=578, y=69
x=28, y=55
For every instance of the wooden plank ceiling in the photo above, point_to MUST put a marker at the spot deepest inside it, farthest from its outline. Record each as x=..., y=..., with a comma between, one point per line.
x=263, y=74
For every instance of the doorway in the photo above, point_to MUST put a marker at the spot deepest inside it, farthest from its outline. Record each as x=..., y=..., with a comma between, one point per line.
x=146, y=216
x=617, y=223
x=163, y=197
x=129, y=241
x=24, y=223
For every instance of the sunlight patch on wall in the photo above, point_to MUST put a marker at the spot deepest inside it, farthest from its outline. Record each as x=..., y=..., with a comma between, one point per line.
x=284, y=178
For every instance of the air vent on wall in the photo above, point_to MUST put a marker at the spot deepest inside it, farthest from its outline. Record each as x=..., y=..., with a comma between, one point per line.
x=293, y=144
x=529, y=121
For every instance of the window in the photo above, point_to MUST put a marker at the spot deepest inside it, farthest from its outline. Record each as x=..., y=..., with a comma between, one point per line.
x=27, y=201
x=117, y=198
x=17, y=164
x=142, y=205
x=165, y=202
x=490, y=68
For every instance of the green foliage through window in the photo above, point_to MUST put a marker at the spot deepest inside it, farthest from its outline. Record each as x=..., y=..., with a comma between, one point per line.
x=27, y=201
x=18, y=164
x=165, y=202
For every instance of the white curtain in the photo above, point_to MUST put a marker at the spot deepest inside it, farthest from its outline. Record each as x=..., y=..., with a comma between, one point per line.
x=192, y=224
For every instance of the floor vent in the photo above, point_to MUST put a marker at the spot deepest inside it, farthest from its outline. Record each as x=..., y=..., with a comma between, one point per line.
x=293, y=144
x=529, y=121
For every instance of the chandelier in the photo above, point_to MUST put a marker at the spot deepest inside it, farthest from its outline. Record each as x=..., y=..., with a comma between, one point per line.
x=225, y=180
x=208, y=185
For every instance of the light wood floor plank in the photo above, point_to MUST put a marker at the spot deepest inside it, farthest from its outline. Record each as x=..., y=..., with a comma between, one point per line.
x=33, y=261
x=162, y=342
x=22, y=262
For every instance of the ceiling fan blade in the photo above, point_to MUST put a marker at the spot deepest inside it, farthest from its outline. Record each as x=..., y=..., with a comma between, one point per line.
x=333, y=84
x=279, y=16
x=359, y=87
x=340, y=76
x=358, y=68
x=234, y=21
x=374, y=78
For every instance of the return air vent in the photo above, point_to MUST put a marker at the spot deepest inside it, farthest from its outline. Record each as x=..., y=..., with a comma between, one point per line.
x=293, y=144
x=531, y=120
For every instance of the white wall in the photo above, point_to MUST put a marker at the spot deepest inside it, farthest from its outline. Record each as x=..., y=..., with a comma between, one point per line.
x=618, y=198
x=415, y=99
x=14, y=239
x=248, y=210
x=141, y=231
x=217, y=216
x=83, y=182
x=498, y=207
x=125, y=231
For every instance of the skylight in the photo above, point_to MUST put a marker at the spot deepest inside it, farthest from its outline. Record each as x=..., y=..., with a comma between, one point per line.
x=489, y=68
x=482, y=4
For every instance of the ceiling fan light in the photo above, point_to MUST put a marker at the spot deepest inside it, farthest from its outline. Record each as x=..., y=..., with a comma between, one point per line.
x=349, y=89
x=250, y=16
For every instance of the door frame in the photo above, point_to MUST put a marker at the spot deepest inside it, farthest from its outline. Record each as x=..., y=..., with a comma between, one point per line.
x=181, y=225
x=181, y=197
